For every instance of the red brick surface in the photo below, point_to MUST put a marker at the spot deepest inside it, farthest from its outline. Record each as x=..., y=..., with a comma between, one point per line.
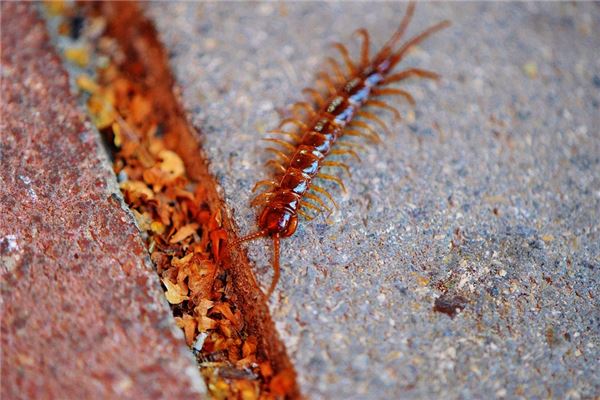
x=83, y=315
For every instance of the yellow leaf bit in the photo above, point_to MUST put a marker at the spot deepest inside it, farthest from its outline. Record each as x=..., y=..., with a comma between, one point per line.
x=174, y=293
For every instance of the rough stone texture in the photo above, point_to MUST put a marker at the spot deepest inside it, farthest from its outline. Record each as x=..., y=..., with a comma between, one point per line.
x=83, y=315
x=492, y=193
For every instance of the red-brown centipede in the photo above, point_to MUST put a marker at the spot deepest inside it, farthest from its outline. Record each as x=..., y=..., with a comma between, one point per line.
x=318, y=127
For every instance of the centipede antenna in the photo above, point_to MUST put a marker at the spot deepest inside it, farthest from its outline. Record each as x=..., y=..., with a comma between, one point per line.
x=275, y=265
x=247, y=238
x=346, y=57
x=364, y=48
x=387, y=48
x=407, y=73
x=395, y=92
x=385, y=106
x=337, y=70
x=415, y=40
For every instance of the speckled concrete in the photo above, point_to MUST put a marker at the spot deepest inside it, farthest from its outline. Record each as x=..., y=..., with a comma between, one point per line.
x=490, y=190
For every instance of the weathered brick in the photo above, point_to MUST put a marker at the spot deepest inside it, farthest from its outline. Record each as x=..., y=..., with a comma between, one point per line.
x=83, y=315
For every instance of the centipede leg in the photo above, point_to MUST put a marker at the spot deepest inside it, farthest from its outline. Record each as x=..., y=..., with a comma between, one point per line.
x=293, y=121
x=265, y=182
x=277, y=165
x=333, y=179
x=387, y=48
x=311, y=206
x=374, y=137
x=305, y=215
x=394, y=92
x=281, y=142
x=315, y=95
x=303, y=105
x=349, y=152
x=293, y=135
x=364, y=49
x=276, y=269
x=337, y=70
x=374, y=118
x=385, y=106
x=415, y=40
x=261, y=199
x=318, y=200
x=408, y=73
x=342, y=165
x=327, y=82
x=346, y=56
x=362, y=124
x=324, y=192
x=351, y=145
x=278, y=153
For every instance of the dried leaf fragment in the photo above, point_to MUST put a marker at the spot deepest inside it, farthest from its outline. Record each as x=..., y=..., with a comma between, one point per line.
x=282, y=383
x=184, y=232
x=248, y=390
x=118, y=140
x=87, y=84
x=249, y=346
x=183, y=261
x=143, y=220
x=171, y=163
x=174, y=294
x=204, y=323
x=157, y=227
x=100, y=105
x=56, y=7
x=137, y=189
x=223, y=308
x=265, y=369
x=140, y=108
x=188, y=324
x=215, y=238
x=78, y=55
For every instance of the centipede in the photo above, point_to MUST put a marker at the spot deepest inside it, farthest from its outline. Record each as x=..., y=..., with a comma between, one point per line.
x=341, y=105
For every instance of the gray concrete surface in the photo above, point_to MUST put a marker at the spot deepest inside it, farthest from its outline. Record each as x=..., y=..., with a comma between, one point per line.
x=491, y=192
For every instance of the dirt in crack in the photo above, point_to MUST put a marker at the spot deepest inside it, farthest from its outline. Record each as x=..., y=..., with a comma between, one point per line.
x=165, y=182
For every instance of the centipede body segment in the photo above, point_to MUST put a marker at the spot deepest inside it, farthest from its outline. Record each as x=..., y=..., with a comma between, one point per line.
x=341, y=108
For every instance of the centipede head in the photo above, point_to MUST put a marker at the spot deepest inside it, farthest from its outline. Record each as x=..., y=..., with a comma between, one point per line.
x=278, y=221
